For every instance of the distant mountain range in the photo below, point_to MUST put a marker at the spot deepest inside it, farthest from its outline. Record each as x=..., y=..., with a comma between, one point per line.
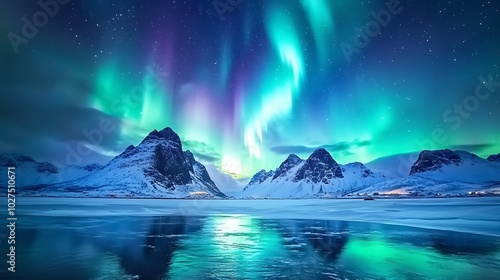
x=30, y=172
x=159, y=168
x=318, y=176
x=433, y=172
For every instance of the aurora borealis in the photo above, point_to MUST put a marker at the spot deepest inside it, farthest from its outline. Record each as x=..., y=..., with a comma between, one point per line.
x=268, y=80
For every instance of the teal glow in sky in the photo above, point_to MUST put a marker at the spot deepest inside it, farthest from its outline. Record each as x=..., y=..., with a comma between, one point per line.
x=269, y=80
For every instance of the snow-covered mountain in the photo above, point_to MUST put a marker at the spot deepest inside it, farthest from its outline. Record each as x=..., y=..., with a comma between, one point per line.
x=30, y=172
x=394, y=166
x=447, y=165
x=157, y=167
x=318, y=176
x=445, y=172
x=429, y=173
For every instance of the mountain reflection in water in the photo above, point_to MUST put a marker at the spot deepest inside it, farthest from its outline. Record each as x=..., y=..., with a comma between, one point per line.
x=243, y=247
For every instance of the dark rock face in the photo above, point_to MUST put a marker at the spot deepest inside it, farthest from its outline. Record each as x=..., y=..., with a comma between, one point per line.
x=189, y=157
x=168, y=161
x=288, y=164
x=494, y=158
x=14, y=159
x=319, y=167
x=168, y=158
x=171, y=163
x=260, y=177
x=433, y=160
x=46, y=167
x=367, y=173
x=23, y=158
x=93, y=167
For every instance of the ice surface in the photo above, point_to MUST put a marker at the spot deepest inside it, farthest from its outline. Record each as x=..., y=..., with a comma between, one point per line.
x=473, y=215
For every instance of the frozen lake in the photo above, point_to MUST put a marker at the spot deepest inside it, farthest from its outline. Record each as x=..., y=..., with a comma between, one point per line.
x=472, y=215
x=262, y=239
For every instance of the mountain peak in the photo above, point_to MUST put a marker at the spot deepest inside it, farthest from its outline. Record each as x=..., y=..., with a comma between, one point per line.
x=319, y=167
x=320, y=152
x=293, y=157
x=164, y=134
x=323, y=156
x=360, y=168
x=434, y=160
x=290, y=162
x=356, y=164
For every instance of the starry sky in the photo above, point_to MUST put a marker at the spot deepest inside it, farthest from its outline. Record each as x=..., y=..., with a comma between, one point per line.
x=246, y=84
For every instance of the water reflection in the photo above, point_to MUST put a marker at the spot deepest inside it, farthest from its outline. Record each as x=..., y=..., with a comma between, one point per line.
x=242, y=247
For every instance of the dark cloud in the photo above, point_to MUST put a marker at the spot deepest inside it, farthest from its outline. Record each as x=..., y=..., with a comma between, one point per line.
x=45, y=107
x=475, y=148
x=336, y=147
x=202, y=152
x=347, y=153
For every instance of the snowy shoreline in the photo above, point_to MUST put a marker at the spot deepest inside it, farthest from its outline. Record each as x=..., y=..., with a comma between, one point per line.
x=361, y=197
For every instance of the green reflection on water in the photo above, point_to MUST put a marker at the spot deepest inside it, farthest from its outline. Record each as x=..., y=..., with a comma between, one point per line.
x=237, y=242
x=240, y=247
x=379, y=257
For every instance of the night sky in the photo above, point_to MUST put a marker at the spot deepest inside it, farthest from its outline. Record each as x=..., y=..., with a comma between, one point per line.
x=246, y=87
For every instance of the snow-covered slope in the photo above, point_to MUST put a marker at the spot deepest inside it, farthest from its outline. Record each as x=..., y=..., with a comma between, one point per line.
x=157, y=167
x=318, y=176
x=225, y=182
x=30, y=172
x=357, y=176
x=395, y=166
x=445, y=172
x=283, y=170
x=260, y=177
